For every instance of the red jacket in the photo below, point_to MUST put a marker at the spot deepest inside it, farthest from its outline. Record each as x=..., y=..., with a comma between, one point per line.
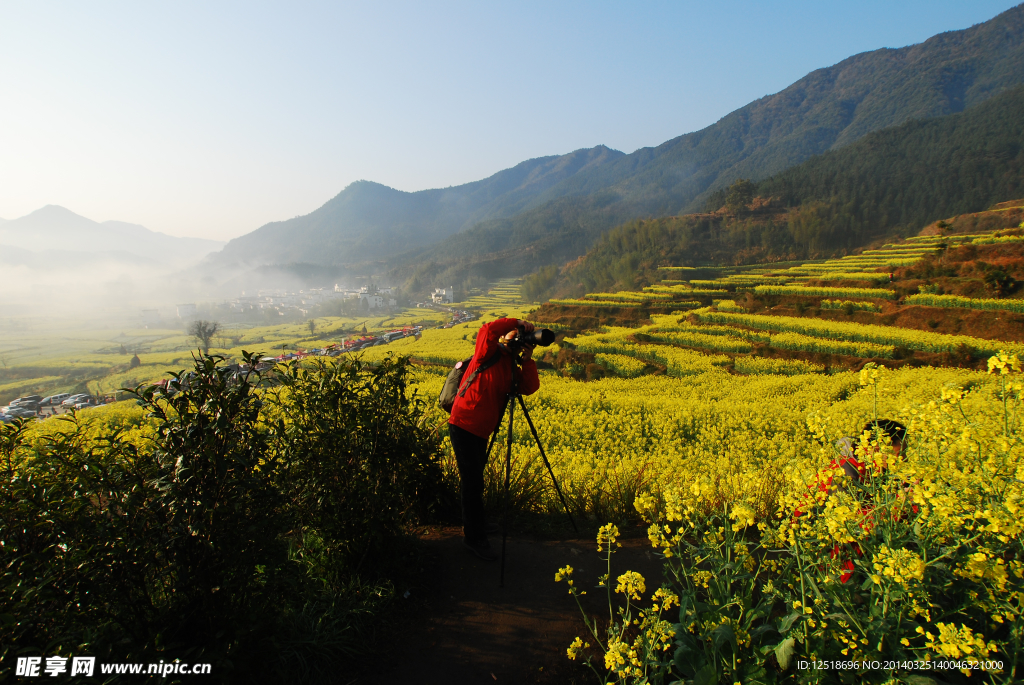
x=479, y=410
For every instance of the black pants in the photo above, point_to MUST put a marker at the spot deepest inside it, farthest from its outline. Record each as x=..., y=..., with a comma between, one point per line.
x=471, y=457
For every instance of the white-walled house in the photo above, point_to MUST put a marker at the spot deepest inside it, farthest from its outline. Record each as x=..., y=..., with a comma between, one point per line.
x=443, y=295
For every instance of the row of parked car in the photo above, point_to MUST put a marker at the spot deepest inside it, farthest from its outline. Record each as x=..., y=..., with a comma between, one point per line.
x=460, y=316
x=29, y=406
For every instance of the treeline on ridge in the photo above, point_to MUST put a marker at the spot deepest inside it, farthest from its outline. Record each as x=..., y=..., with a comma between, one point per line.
x=891, y=182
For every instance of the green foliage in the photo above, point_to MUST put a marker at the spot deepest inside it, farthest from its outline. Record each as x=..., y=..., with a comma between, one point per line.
x=220, y=537
x=356, y=469
x=739, y=196
x=902, y=178
x=145, y=551
x=537, y=286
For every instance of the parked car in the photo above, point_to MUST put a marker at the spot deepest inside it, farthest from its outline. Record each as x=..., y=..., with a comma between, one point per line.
x=54, y=399
x=27, y=399
x=86, y=403
x=74, y=399
x=19, y=413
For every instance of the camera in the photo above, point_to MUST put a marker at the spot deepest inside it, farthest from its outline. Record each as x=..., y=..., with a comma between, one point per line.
x=541, y=336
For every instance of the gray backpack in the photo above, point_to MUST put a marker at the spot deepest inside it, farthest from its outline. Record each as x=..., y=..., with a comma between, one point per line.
x=453, y=385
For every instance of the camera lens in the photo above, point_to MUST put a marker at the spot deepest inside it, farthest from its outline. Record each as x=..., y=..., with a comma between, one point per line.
x=541, y=337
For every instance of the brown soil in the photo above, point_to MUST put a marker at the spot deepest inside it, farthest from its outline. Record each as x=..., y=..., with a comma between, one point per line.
x=589, y=318
x=459, y=626
x=1003, y=215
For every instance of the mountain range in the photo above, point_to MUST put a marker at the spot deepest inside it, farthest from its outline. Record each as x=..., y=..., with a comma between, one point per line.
x=366, y=221
x=57, y=237
x=551, y=209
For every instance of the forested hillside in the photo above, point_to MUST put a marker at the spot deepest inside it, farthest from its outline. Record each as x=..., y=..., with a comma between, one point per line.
x=894, y=181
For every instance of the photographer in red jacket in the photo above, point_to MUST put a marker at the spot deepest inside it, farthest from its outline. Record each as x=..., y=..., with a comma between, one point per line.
x=478, y=412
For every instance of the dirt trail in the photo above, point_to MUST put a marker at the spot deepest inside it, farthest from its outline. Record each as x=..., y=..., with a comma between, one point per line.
x=460, y=627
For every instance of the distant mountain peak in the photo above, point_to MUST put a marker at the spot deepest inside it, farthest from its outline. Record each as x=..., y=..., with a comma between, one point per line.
x=55, y=210
x=53, y=227
x=368, y=220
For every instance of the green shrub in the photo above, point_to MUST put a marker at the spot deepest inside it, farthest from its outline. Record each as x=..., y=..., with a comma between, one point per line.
x=224, y=537
x=355, y=466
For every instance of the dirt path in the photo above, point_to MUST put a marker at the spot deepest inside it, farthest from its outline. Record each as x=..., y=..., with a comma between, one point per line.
x=460, y=627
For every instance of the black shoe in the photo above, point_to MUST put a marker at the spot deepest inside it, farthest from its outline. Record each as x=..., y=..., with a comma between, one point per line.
x=492, y=528
x=481, y=548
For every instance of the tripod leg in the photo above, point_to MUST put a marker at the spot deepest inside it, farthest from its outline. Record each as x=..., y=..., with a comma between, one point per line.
x=554, y=480
x=504, y=504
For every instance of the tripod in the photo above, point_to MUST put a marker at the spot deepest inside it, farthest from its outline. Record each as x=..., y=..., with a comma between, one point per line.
x=510, y=402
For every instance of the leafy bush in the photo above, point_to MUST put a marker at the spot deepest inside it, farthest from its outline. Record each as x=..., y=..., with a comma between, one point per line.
x=355, y=467
x=223, y=535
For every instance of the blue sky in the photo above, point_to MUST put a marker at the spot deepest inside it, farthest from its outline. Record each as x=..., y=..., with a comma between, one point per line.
x=211, y=119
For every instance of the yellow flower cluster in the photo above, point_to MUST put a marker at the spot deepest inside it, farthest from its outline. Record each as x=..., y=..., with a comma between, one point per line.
x=570, y=302
x=1004, y=363
x=958, y=302
x=899, y=565
x=870, y=293
x=983, y=566
x=628, y=296
x=627, y=367
x=863, y=306
x=608, y=535
x=631, y=584
x=956, y=642
x=576, y=647
x=925, y=341
x=806, y=343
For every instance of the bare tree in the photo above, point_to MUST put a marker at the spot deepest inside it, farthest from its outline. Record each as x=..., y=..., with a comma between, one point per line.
x=203, y=332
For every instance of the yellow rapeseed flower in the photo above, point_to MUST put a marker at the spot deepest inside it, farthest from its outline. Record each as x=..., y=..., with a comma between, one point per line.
x=631, y=584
